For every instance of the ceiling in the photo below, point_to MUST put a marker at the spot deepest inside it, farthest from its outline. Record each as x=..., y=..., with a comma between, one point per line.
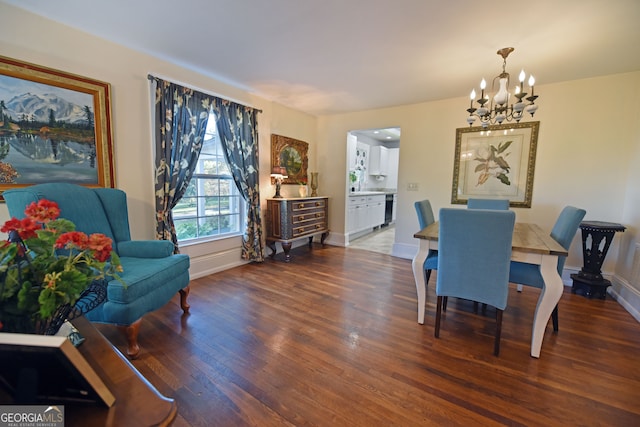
x=385, y=136
x=335, y=56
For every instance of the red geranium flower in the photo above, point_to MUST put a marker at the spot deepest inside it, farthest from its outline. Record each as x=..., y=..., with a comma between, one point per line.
x=25, y=227
x=72, y=240
x=101, y=245
x=43, y=211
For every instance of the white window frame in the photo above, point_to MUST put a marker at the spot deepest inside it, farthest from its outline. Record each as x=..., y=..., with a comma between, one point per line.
x=237, y=205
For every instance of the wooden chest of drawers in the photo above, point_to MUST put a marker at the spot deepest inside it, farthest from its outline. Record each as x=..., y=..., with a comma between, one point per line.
x=292, y=219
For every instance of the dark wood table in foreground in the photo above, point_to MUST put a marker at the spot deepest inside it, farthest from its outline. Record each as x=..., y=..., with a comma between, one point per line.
x=138, y=403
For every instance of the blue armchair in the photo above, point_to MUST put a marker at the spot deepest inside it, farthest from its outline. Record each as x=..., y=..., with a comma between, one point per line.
x=152, y=272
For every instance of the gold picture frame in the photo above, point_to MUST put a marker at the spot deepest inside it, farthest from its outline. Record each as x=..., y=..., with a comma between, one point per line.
x=292, y=155
x=63, y=370
x=497, y=162
x=54, y=127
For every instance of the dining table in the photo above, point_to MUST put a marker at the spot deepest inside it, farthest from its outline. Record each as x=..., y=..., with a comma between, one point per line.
x=530, y=244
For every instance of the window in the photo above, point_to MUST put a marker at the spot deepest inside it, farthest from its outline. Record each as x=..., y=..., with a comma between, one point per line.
x=212, y=207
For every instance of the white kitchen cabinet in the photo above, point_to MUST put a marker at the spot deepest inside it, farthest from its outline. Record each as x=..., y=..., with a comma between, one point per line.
x=375, y=210
x=365, y=212
x=356, y=214
x=379, y=160
x=393, y=159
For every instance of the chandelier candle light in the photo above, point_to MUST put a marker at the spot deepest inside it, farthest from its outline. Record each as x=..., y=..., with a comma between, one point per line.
x=499, y=109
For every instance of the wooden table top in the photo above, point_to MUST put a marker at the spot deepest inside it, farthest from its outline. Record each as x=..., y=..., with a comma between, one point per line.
x=526, y=238
x=138, y=403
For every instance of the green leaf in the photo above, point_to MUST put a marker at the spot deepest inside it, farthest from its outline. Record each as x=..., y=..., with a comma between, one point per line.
x=502, y=163
x=503, y=146
x=503, y=179
x=48, y=303
x=28, y=298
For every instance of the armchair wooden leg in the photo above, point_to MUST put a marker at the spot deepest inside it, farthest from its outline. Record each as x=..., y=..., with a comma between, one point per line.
x=184, y=293
x=131, y=332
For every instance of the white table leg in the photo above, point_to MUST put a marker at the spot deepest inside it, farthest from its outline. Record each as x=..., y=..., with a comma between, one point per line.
x=418, y=275
x=549, y=297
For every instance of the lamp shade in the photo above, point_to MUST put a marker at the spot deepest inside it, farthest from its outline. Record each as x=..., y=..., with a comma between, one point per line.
x=278, y=171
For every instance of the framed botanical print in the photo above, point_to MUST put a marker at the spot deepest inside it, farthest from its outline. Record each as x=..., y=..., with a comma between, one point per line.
x=496, y=162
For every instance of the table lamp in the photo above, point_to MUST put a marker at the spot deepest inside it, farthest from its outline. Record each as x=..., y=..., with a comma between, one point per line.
x=278, y=173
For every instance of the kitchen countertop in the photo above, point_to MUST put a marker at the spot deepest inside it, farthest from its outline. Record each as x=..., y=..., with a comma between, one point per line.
x=367, y=193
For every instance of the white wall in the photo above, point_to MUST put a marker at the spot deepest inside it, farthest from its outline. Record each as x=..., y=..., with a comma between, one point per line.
x=30, y=38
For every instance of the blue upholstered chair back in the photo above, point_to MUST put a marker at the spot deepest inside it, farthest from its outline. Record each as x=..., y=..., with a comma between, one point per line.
x=497, y=204
x=474, y=252
x=563, y=232
x=425, y=218
x=565, y=229
x=425, y=213
x=92, y=210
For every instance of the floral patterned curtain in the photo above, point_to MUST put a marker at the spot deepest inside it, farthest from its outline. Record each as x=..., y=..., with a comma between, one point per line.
x=181, y=116
x=238, y=131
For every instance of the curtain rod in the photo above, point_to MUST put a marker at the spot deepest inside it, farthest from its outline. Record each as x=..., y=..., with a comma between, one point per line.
x=152, y=77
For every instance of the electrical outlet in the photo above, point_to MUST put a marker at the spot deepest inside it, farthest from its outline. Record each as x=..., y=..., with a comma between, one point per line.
x=412, y=186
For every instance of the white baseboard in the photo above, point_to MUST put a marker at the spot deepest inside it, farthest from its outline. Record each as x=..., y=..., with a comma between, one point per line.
x=335, y=239
x=626, y=295
x=403, y=250
x=213, y=263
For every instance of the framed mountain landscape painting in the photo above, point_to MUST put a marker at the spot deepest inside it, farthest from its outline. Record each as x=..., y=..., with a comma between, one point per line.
x=54, y=127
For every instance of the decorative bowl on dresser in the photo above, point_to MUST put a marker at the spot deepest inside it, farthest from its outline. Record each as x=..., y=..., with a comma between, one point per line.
x=291, y=219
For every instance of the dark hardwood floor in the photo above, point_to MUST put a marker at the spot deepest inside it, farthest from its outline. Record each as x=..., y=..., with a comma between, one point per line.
x=332, y=339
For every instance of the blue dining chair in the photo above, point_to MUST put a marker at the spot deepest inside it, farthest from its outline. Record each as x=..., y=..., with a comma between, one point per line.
x=494, y=204
x=563, y=231
x=474, y=252
x=425, y=217
x=497, y=204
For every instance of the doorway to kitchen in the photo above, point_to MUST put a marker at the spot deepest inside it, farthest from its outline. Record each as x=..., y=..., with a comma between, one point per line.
x=372, y=182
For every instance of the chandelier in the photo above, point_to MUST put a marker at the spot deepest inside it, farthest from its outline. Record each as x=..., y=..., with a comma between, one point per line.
x=497, y=109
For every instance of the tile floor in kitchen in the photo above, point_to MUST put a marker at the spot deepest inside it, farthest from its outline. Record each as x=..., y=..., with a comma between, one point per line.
x=381, y=240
